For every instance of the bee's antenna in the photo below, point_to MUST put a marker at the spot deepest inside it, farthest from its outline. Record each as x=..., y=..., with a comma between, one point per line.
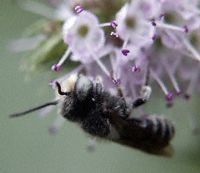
x=33, y=109
x=147, y=78
x=60, y=91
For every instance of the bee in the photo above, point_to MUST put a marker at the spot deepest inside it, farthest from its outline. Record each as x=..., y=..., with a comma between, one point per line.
x=102, y=114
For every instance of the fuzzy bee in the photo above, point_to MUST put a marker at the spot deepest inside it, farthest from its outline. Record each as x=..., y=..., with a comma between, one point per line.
x=105, y=115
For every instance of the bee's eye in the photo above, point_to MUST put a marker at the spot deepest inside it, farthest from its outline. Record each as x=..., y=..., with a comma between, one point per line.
x=83, y=87
x=67, y=108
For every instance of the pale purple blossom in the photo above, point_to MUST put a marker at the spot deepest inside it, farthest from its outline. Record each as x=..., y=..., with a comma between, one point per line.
x=80, y=33
x=132, y=26
x=154, y=39
x=139, y=25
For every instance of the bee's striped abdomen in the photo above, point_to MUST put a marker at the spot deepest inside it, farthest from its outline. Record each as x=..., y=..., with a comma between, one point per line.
x=159, y=130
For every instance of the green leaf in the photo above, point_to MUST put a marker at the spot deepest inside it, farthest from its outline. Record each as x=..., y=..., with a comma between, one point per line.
x=48, y=51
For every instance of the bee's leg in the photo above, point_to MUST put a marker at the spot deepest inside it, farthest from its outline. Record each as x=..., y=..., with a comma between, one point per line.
x=91, y=146
x=145, y=95
x=145, y=92
x=57, y=124
x=117, y=85
x=119, y=91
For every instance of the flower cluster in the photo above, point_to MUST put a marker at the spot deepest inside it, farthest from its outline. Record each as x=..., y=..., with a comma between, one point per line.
x=155, y=38
x=143, y=42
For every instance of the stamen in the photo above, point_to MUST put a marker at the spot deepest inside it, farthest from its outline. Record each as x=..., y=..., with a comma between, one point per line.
x=154, y=37
x=133, y=90
x=169, y=98
x=174, y=39
x=153, y=22
x=161, y=16
x=125, y=52
x=103, y=67
x=78, y=9
x=159, y=81
x=191, y=85
x=186, y=28
x=147, y=75
x=76, y=70
x=173, y=80
x=115, y=80
x=169, y=26
x=105, y=24
x=192, y=50
x=113, y=24
x=125, y=43
x=57, y=67
x=135, y=68
x=168, y=95
x=114, y=34
x=98, y=61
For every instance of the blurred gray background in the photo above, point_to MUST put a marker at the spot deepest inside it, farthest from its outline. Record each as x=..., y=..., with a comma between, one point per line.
x=27, y=147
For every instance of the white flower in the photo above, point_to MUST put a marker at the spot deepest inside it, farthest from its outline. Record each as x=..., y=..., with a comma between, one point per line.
x=148, y=9
x=131, y=24
x=151, y=42
x=83, y=35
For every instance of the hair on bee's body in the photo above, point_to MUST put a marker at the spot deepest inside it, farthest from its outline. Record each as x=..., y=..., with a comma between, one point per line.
x=103, y=115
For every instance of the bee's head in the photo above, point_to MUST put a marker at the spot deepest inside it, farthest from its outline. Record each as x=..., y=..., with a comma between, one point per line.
x=80, y=85
x=66, y=86
x=83, y=87
x=74, y=96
